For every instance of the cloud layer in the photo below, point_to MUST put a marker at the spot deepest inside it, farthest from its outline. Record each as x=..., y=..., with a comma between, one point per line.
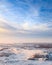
x=41, y=29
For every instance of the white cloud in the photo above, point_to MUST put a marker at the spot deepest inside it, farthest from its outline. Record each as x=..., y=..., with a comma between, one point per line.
x=25, y=27
x=11, y=36
x=36, y=26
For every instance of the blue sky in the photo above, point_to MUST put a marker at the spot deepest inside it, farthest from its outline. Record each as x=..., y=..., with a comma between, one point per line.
x=25, y=21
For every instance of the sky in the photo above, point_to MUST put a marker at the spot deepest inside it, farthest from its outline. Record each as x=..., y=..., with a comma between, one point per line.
x=25, y=21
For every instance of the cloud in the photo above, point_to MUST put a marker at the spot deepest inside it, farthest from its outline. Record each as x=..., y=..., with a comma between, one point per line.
x=36, y=26
x=26, y=28
x=5, y=27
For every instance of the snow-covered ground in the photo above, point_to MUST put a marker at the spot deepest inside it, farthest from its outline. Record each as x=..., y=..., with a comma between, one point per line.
x=18, y=56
